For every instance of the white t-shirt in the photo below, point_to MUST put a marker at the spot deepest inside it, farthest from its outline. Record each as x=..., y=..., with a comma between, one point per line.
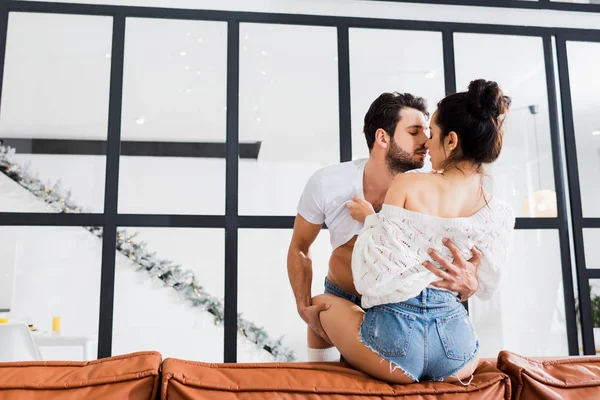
x=326, y=193
x=325, y=196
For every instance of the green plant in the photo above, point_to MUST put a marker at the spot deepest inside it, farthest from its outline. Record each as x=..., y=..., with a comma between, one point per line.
x=596, y=311
x=595, y=303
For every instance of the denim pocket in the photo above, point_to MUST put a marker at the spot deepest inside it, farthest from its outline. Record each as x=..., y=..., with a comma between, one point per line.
x=389, y=330
x=457, y=335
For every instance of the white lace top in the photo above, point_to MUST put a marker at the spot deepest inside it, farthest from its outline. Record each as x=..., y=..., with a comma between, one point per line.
x=389, y=252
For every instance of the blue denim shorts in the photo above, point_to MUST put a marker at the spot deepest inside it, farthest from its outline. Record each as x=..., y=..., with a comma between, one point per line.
x=429, y=337
x=332, y=288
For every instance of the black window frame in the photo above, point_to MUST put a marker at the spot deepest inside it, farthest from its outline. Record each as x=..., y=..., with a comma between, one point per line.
x=232, y=222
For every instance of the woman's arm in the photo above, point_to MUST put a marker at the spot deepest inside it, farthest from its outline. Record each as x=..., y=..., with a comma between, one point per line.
x=383, y=261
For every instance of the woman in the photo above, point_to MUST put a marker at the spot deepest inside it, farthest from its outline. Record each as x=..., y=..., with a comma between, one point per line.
x=411, y=330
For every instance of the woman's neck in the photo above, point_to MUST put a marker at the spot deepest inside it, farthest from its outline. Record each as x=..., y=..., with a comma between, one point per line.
x=462, y=171
x=466, y=176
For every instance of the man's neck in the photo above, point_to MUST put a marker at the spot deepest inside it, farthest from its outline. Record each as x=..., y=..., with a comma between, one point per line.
x=377, y=177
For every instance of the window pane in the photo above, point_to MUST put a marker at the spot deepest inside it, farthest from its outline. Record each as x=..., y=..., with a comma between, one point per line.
x=417, y=69
x=151, y=314
x=523, y=174
x=533, y=321
x=583, y=59
x=174, y=99
x=55, y=102
x=288, y=103
x=265, y=296
x=53, y=272
x=591, y=242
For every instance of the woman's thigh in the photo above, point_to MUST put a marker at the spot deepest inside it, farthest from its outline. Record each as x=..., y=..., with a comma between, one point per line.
x=342, y=323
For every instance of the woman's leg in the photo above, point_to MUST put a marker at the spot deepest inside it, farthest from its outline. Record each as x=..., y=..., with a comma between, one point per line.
x=319, y=350
x=315, y=341
x=342, y=323
x=464, y=375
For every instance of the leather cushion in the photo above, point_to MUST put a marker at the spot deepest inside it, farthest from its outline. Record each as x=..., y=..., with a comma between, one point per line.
x=565, y=378
x=131, y=376
x=186, y=380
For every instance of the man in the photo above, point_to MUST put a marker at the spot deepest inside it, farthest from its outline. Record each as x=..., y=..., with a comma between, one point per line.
x=395, y=128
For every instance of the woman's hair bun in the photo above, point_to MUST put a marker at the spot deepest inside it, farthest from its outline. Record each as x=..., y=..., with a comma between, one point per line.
x=486, y=100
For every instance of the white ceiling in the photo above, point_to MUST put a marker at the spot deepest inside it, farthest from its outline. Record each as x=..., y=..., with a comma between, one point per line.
x=57, y=76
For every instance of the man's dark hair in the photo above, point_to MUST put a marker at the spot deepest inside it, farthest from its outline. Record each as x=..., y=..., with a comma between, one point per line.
x=384, y=113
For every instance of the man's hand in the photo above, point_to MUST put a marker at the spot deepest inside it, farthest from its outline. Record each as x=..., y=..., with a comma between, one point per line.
x=310, y=313
x=460, y=275
x=360, y=208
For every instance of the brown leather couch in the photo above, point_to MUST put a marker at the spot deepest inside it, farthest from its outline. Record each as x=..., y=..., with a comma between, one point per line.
x=146, y=376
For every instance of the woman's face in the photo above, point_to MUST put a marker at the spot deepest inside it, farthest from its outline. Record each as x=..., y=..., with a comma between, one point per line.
x=435, y=146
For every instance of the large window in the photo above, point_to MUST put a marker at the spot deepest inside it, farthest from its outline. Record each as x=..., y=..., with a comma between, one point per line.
x=185, y=141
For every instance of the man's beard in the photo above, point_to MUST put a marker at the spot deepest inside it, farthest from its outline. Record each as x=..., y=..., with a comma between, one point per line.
x=399, y=160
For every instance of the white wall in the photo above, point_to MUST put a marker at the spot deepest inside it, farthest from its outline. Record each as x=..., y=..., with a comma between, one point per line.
x=380, y=9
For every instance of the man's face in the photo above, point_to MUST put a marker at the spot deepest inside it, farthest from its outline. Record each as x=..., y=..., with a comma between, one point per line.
x=407, y=149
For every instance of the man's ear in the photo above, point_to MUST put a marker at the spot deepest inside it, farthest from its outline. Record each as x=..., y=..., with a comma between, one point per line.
x=382, y=139
x=451, y=141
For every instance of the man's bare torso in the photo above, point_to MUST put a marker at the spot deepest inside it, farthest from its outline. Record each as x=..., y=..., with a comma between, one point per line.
x=340, y=262
x=340, y=267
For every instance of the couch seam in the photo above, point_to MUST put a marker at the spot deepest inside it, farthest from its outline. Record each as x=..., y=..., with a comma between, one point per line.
x=223, y=387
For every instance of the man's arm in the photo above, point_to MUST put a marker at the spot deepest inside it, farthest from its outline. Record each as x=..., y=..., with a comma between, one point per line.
x=300, y=273
x=460, y=275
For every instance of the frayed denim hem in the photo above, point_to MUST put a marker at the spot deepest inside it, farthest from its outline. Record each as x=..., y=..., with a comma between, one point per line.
x=475, y=353
x=393, y=366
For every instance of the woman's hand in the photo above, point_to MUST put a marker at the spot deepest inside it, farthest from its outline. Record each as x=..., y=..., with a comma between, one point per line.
x=360, y=209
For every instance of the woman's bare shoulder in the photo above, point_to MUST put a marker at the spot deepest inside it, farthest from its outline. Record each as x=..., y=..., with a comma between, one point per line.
x=404, y=184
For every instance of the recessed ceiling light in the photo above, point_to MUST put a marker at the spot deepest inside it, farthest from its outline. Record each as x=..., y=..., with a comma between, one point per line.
x=107, y=55
x=140, y=120
x=187, y=67
x=596, y=133
x=264, y=52
x=430, y=74
x=199, y=40
x=183, y=53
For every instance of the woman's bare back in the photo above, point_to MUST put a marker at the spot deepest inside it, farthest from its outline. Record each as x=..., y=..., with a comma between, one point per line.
x=452, y=196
